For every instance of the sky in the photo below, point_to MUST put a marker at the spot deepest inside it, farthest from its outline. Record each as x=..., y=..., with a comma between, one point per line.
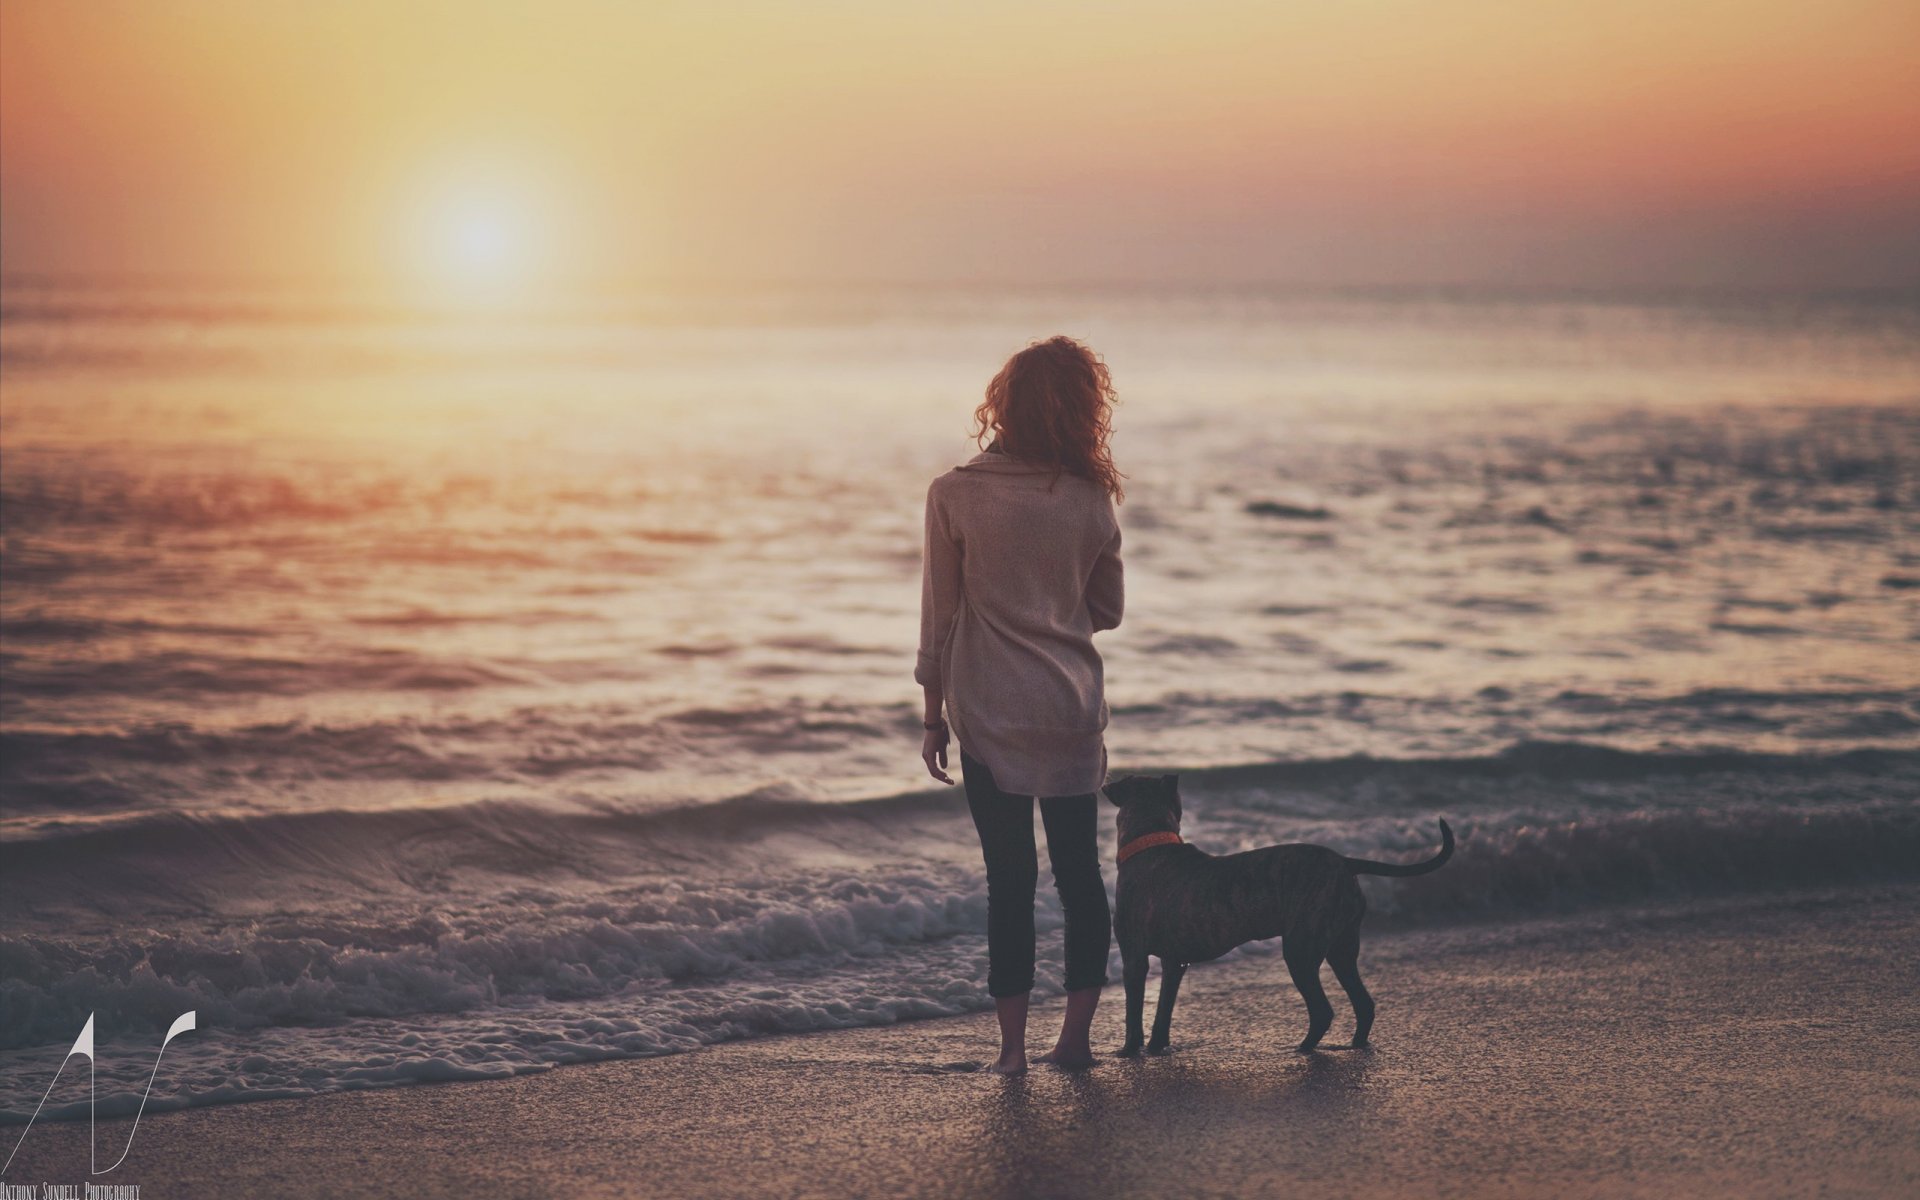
x=1507, y=143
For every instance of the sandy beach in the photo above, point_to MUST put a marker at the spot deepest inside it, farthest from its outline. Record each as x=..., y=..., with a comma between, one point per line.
x=1749, y=1046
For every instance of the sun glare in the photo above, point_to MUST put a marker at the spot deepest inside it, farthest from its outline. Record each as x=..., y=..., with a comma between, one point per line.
x=481, y=243
x=478, y=237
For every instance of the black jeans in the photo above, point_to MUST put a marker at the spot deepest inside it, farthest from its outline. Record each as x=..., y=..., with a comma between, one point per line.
x=1005, y=824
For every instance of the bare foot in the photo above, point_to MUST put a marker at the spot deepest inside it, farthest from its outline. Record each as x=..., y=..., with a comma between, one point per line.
x=1062, y=1056
x=1009, y=1064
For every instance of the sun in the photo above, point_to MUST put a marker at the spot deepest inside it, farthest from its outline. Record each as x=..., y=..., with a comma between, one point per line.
x=477, y=237
x=482, y=241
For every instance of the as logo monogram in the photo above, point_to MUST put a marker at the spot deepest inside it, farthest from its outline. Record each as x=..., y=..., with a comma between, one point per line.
x=184, y=1023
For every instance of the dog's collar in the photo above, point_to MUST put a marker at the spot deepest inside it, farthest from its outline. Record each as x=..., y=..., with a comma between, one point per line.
x=1146, y=841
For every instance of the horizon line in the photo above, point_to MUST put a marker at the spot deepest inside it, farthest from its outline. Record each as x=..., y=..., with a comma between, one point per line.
x=610, y=286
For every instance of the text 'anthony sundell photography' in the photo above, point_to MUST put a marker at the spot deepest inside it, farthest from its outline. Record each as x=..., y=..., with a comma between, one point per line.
x=69, y=1191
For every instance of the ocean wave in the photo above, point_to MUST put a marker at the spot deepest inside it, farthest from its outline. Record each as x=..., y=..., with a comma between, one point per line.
x=1554, y=760
x=221, y=676
x=534, y=945
x=433, y=983
x=1814, y=716
x=491, y=736
x=476, y=904
x=342, y=949
x=48, y=771
x=418, y=751
x=51, y=494
x=1557, y=864
x=63, y=495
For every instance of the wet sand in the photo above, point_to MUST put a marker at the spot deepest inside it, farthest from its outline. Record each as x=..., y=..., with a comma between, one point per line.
x=1754, y=1047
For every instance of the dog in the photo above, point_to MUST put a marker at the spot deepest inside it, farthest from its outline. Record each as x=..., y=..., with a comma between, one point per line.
x=1182, y=905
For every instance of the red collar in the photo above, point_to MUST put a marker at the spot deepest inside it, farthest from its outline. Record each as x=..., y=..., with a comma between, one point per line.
x=1146, y=841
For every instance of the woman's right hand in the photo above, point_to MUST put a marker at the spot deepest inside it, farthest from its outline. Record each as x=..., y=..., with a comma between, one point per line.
x=933, y=752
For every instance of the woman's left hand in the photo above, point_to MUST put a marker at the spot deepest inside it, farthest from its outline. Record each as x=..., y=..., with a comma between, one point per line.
x=933, y=752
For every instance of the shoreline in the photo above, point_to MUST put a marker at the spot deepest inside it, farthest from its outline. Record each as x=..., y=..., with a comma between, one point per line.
x=1766, y=1045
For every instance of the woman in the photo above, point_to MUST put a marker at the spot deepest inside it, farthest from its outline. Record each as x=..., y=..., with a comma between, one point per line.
x=1022, y=568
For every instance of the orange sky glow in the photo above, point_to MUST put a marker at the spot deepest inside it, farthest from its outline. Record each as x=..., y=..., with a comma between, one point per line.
x=1767, y=143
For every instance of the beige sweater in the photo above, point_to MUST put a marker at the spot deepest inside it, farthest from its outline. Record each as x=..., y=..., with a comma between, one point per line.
x=1022, y=567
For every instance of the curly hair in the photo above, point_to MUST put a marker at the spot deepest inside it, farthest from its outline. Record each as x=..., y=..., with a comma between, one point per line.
x=1052, y=404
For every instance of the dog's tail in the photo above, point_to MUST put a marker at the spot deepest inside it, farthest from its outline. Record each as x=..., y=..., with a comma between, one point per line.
x=1363, y=866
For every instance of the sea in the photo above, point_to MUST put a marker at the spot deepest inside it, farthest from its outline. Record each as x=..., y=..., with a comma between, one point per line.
x=428, y=696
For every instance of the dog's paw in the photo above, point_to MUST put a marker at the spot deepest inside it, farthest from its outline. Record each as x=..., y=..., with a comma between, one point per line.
x=1156, y=1047
x=1130, y=1050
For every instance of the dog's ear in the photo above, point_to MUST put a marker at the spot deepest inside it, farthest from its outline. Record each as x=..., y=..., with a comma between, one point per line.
x=1172, y=782
x=1117, y=789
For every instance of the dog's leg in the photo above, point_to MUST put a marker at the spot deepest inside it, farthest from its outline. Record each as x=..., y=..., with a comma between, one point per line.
x=1134, y=972
x=1303, y=963
x=1170, y=976
x=1344, y=957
